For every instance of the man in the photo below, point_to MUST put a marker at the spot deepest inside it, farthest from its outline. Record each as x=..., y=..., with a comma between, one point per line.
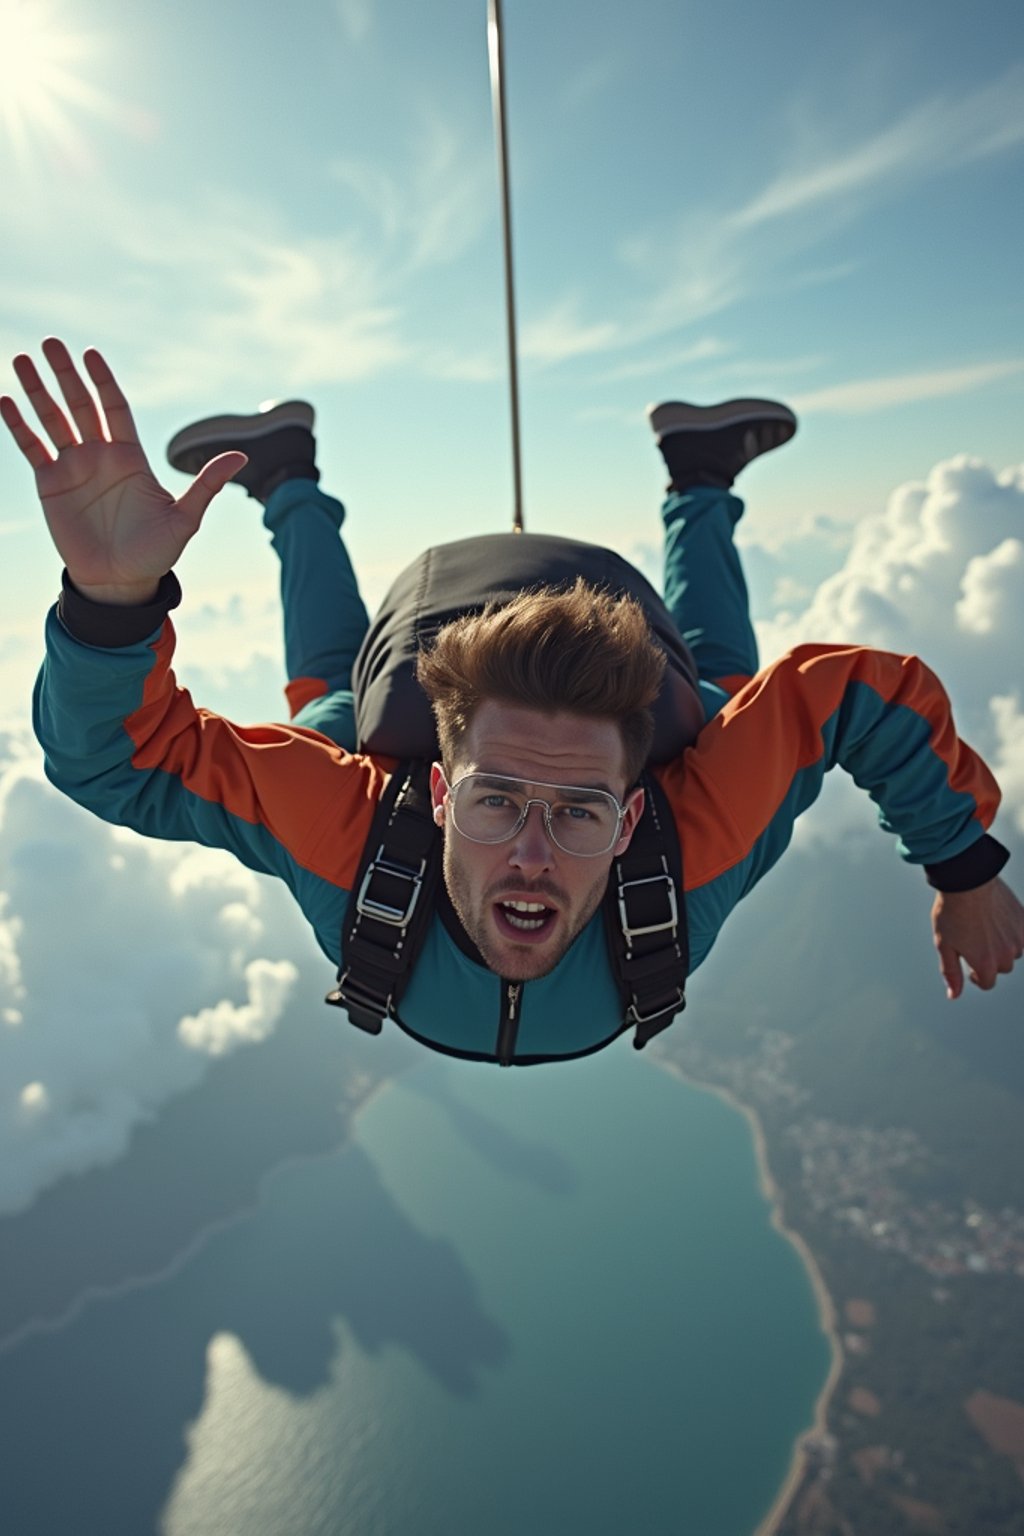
x=534, y=803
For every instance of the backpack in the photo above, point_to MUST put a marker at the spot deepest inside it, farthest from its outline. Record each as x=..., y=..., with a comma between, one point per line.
x=393, y=716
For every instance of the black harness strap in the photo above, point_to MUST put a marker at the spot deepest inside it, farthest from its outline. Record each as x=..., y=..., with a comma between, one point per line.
x=387, y=921
x=645, y=920
x=397, y=887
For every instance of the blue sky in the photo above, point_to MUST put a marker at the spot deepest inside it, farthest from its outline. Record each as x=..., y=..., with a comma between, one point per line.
x=805, y=201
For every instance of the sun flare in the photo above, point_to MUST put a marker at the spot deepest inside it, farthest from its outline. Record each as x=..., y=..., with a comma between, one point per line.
x=41, y=80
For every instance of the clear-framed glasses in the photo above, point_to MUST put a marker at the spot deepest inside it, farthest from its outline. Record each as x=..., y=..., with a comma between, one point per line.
x=489, y=808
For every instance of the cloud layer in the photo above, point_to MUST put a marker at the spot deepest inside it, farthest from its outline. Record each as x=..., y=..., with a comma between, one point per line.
x=125, y=966
x=939, y=574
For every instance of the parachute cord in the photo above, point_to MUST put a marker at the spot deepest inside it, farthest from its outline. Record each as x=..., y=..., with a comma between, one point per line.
x=495, y=45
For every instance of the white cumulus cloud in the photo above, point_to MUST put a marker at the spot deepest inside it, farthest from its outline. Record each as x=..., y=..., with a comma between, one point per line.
x=126, y=966
x=991, y=587
x=226, y=1025
x=939, y=573
x=1008, y=759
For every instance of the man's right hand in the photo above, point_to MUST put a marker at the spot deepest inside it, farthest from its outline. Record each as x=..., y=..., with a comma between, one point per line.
x=116, y=528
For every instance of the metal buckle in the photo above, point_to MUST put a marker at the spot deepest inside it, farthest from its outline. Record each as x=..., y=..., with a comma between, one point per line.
x=350, y=991
x=634, y=1016
x=384, y=912
x=673, y=921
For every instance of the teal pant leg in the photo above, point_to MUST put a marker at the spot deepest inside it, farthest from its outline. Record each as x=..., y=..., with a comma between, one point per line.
x=705, y=589
x=324, y=616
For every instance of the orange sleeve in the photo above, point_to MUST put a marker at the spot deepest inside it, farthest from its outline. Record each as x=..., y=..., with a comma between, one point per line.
x=761, y=760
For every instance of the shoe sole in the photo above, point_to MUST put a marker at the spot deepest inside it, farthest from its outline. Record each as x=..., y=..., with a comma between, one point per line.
x=679, y=416
x=228, y=431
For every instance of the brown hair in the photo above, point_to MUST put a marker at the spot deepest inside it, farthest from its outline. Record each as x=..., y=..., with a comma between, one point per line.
x=577, y=649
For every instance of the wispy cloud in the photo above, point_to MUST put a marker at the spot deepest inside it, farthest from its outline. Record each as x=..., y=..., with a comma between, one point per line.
x=356, y=16
x=819, y=277
x=237, y=297
x=376, y=189
x=231, y=299
x=750, y=368
x=863, y=395
x=702, y=351
x=454, y=198
x=930, y=137
x=715, y=258
x=616, y=415
x=431, y=209
x=588, y=83
x=691, y=276
x=288, y=313
x=559, y=334
x=468, y=368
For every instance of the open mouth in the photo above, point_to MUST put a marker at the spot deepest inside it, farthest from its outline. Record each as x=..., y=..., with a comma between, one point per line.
x=524, y=921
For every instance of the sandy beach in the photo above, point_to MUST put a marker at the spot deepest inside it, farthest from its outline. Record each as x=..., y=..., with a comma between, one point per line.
x=826, y=1307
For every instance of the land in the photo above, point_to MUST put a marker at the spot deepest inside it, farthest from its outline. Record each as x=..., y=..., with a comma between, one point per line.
x=903, y=1207
x=145, y=1216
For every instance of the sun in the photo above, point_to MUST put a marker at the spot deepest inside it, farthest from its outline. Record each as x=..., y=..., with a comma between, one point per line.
x=41, y=80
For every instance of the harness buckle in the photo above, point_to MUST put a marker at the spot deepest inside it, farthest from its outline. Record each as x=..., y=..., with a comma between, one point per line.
x=386, y=911
x=364, y=1008
x=351, y=993
x=634, y=1016
x=673, y=919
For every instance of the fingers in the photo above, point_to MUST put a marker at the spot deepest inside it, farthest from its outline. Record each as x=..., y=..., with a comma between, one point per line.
x=949, y=965
x=89, y=425
x=213, y=477
x=43, y=403
x=986, y=973
x=32, y=447
x=115, y=407
x=80, y=402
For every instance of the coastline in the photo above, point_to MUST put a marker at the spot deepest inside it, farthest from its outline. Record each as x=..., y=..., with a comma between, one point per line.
x=827, y=1315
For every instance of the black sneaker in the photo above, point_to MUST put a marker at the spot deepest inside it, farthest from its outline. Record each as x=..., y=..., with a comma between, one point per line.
x=710, y=444
x=278, y=439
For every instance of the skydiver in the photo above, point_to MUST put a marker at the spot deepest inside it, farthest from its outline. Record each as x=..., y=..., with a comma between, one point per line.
x=535, y=798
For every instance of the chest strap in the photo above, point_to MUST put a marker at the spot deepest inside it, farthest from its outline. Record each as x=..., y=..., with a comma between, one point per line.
x=396, y=893
x=645, y=921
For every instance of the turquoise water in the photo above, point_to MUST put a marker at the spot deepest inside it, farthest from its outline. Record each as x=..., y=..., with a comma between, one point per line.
x=546, y=1300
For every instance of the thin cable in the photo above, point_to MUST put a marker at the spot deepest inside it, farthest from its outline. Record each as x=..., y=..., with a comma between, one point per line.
x=495, y=50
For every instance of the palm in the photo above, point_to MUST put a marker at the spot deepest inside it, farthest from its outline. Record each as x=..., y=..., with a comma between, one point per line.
x=109, y=516
x=111, y=520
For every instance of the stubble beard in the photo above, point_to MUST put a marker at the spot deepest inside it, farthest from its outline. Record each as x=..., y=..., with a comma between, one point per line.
x=527, y=963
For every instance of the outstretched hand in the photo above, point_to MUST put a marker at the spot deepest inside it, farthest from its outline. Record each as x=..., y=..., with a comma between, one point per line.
x=116, y=528
x=984, y=928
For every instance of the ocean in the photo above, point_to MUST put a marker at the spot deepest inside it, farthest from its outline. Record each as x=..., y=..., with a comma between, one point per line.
x=536, y=1299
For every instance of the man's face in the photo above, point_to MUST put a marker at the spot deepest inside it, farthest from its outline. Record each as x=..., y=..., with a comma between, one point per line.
x=482, y=878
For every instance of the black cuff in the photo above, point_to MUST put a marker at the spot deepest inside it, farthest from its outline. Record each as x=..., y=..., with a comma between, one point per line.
x=978, y=864
x=113, y=625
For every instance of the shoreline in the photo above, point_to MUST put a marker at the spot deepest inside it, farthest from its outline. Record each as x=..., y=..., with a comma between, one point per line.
x=827, y=1316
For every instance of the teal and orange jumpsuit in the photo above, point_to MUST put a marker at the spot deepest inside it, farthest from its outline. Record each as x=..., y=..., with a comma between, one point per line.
x=296, y=801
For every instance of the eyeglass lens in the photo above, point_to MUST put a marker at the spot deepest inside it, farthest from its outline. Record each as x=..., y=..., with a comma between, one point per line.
x=489, y=809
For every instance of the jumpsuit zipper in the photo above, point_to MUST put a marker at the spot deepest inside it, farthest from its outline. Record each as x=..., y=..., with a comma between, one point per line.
x=508, y=1023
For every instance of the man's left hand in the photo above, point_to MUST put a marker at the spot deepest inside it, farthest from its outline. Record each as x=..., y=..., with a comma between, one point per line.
x=984, y=928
